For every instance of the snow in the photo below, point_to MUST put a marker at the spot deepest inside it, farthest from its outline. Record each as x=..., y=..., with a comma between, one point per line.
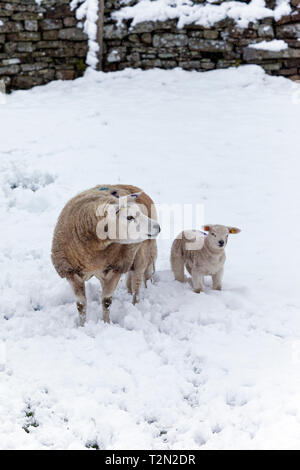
x=274, y=45
x=87, y=10
x=178, y=370
x=187, y=12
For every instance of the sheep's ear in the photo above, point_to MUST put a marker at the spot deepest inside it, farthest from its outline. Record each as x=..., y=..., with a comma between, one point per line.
x=130, y=197
x=134, y=195
x=234, y=230
x=207, y=228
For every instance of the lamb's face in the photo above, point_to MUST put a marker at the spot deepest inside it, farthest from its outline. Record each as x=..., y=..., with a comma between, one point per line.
x=217, y=237
x=133, y=226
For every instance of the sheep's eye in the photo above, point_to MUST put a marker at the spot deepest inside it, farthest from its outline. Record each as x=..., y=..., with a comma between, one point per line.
x=130, y=217
x=213, y=234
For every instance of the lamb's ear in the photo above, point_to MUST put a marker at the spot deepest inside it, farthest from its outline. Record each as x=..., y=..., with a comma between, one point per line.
x=234, y=230
x=207, y=228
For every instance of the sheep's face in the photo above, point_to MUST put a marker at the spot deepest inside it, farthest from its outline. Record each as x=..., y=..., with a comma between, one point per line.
x=217, y=237
x=134, y=226
x=126, y=222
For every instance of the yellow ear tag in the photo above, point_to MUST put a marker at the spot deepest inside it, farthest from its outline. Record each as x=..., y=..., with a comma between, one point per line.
x=232, y=230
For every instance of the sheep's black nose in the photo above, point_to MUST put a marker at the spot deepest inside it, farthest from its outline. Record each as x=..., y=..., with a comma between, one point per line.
x=221, y=242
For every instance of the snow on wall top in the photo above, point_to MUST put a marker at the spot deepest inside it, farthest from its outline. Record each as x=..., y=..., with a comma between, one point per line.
x=206, y=15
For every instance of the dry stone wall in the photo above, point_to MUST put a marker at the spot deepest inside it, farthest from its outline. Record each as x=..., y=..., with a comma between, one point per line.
x=39, y=43
x=162, y=44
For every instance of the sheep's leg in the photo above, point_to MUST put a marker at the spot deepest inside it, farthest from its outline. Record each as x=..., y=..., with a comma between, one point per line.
x=217, y=280
x=148, y=274
x=78, y=286
x=197, y=280
x=177, y=262
x=137, y=277
x=108, y=288
x=129, y=282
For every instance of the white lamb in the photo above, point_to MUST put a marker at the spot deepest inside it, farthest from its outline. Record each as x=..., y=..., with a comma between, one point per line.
x=202, y=255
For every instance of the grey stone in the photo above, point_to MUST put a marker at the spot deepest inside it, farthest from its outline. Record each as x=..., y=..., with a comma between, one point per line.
x=49, y=44
x=146, y=38
x=209, y=45
x=111, y=31
x=116, y=54
x=25, y=47
x=9, y=70
x=266, y=31
x=210, y=34
x=11, y=61
x=26, y=16
x=251, y=54
x=10, y=27
x=169, y=40
x=31, y=25
x=24, y=82
x=166, y=64
x=51, y=35
x=271, y=67
x=70, y=21
x=28, y=36
x=288, y=31
x=143, y=27
x=207, y=64
x=134, y=57
x=163, y=54
x=10, y=47
x=72, y=34
x=190, y=65
x=51, y=24
x=31, y=67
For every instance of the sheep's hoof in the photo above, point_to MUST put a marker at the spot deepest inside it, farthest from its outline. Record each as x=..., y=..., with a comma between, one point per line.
x=106, y=318
x=197, y=291
x=135, y=299
x=217, y=288
x=82, y=313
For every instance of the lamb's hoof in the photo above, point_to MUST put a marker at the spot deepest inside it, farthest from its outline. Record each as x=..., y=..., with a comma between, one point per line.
x=80, y=322
x=217, y=288
x=106, y=319
x=135, y=299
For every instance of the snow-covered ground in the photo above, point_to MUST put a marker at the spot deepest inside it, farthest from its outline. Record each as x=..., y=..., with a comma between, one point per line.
x=178, y=370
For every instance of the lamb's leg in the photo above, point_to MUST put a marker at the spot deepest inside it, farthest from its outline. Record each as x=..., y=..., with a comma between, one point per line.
x=108, y=288
x=79, y=290
x=217, y=280
x=197, y=280
x=177, y=262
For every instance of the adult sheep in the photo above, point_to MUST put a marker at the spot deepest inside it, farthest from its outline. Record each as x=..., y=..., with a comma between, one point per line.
x=100, y=233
